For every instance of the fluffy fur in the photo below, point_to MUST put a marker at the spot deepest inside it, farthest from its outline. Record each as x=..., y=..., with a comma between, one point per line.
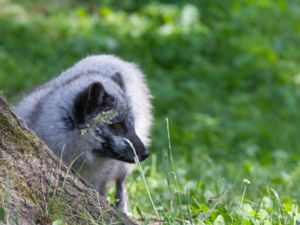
x=58, y=110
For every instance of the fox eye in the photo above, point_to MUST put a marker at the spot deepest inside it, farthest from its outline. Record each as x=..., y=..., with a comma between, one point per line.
x=117, y=126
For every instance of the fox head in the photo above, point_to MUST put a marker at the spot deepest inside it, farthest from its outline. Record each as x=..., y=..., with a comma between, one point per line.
x=108, y=139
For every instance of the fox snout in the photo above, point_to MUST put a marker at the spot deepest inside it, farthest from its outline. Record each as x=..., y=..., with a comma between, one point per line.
x=136, y=143
x=125, y=151
x=144, y=155
x=130, y=155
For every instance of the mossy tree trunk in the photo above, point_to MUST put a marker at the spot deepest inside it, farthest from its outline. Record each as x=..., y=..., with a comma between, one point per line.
x=35, y=188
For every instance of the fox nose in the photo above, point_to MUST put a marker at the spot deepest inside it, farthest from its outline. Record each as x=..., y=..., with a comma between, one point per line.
x=145, y=154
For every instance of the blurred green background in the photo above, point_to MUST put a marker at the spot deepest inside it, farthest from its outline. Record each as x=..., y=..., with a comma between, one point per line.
x=225, y=73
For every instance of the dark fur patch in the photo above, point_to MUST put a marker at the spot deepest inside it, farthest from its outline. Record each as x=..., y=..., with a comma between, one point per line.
x=95, y=93
x=118, y=79
x=106, y=150
x=69, y=122
x=68, y=119
x=87, y=101
x=92, y=99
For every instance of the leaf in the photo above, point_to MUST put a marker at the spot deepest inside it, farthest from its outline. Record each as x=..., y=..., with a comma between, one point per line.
x=2, y=214
x=275, y=194
x=277, y=198
x=219, y=220
x=140, y=213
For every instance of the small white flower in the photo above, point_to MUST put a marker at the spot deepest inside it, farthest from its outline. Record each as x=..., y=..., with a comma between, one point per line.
x=246, y=181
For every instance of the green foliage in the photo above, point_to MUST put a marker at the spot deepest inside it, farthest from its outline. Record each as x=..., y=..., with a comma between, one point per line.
x=2, y=214
x=225, y=73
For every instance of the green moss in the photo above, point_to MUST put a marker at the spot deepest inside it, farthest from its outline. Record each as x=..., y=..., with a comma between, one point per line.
x=6, y=127
x=1, y=195
x=12, y=132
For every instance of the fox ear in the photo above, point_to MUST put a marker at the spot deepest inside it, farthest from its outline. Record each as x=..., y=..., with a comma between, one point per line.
x=95, y=93
x=118, y=79
x=88, y=101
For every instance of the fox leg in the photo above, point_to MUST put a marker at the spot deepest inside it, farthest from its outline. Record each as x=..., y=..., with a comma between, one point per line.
x=102, y=189
x=121, y=194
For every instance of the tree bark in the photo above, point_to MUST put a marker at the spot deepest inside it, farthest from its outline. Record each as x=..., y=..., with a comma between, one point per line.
x=35, y=188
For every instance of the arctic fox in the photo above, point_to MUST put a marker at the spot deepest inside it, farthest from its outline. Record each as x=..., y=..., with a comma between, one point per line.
x=59, y=110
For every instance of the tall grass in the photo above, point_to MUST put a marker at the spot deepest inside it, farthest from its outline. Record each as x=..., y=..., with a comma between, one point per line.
x=235, y=203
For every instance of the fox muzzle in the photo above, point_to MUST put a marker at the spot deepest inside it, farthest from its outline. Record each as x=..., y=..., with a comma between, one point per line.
x=138, y=146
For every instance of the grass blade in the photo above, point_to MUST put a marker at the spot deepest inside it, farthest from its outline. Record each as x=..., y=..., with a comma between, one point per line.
x=137, y=161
